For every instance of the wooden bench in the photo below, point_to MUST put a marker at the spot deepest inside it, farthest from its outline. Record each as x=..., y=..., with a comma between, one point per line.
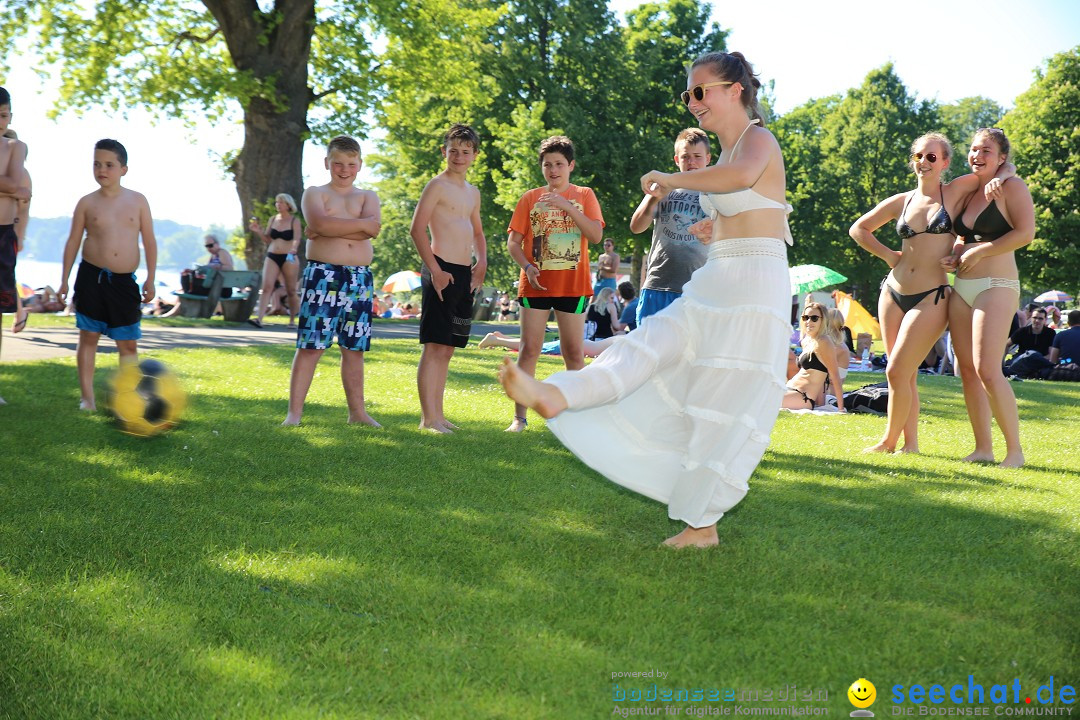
x=239, y=307
x=202, y=305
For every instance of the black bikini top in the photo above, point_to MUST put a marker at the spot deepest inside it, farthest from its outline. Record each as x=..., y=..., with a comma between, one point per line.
x=989, y=225
x=281, y=234
x=940, y=224
x=811, y=363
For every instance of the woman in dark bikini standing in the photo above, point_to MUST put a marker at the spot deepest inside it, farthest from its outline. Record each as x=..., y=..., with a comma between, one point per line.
x=282, y=235
x=913, y=306
x=987, y=293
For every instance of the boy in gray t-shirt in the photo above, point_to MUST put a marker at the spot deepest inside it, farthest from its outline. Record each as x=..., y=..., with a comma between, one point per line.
x=675, y=253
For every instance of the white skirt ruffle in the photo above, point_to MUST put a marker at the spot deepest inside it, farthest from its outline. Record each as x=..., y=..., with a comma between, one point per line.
x=680, y=410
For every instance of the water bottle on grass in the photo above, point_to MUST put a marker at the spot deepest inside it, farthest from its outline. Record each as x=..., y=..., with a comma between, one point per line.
x=864, y=364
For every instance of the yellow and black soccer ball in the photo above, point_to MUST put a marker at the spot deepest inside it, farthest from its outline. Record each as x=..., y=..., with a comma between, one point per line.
x=146, y=398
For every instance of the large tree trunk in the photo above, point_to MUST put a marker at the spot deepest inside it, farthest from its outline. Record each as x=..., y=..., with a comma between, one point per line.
x=274, y=47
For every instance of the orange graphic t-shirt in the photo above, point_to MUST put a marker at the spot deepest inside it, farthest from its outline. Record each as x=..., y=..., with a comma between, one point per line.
x=554, y=243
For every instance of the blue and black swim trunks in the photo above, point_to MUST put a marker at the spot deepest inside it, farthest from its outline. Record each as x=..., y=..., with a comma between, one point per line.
x=107, y=302
x=336, y=301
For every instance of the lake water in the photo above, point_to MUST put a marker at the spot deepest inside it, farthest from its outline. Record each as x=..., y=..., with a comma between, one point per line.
x=39, y=273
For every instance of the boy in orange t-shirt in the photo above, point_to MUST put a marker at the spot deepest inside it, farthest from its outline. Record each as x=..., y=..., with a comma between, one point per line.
x=549, y=238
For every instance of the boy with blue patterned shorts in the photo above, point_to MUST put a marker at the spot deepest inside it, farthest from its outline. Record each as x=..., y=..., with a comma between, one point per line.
x=338, y=287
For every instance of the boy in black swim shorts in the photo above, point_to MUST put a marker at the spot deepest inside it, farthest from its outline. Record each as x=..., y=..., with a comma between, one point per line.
x=449, y=208
x=107, y=297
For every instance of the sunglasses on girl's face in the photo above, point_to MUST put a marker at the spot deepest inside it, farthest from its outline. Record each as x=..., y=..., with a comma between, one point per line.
x=698, y=91
x=811, y=318
x=930, y=157
x=210, y=246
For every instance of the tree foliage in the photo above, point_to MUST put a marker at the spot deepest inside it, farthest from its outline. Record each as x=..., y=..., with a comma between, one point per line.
x=1044, y=130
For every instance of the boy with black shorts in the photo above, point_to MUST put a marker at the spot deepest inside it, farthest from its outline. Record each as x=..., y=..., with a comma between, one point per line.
x=338, y=287
x=449, y=208
x=550, y=233
x=107, y=297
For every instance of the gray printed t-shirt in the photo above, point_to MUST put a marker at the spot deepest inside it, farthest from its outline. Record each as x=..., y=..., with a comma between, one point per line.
x=675, y=254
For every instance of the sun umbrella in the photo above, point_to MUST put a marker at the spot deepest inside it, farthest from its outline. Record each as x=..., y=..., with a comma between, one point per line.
x=402, y=281
x=807, y=278
x=1053, y=296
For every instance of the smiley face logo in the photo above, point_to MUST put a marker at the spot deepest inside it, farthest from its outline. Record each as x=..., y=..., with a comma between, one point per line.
x=862, y=693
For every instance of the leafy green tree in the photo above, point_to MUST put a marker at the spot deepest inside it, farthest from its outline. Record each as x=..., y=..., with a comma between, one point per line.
x=1044, y=130
x=215, y=59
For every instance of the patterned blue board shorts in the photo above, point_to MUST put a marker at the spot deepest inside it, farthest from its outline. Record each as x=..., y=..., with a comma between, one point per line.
x=336, y=301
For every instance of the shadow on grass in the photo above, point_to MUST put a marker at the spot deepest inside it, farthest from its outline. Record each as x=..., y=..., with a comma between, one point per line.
x=401, y=573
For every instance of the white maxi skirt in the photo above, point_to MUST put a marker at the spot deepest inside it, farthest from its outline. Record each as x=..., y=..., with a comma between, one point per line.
x=680, y=410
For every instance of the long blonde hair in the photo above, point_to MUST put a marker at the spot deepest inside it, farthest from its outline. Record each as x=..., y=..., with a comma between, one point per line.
x=601, y=299
x=810, y=343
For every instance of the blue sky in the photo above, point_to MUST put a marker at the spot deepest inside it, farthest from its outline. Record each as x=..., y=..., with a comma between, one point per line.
x=942, y=49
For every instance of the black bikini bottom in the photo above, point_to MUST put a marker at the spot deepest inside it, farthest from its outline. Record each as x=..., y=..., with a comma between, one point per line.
x=907, y=302
x=804, y=396
x=278, y=258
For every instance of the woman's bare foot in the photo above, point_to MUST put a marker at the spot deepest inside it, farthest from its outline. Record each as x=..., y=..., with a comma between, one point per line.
x=291, y=421
x=979, y=456
x=694, y=537
x=526, y=390
x=436, y=427
x=881, y=447
x=1013, y=460
x=489, y=339
x=363, y=419
x=909, y=448
x=88, y=405
x=518, y=425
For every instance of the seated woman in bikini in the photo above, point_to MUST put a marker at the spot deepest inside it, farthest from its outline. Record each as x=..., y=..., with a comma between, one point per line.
x=817, y=362
x=912, y=305
x=987, y=293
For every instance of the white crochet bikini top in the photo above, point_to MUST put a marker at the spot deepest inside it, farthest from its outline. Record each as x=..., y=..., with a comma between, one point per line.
x=738, y=201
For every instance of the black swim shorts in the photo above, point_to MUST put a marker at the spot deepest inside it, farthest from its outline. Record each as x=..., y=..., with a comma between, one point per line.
x=447, y=321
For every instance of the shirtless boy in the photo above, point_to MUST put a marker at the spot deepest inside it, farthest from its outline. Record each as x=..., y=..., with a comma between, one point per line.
x=607, y=267
x=107, y=296
x=13, y=190
x=337, y=285
x=450, y=208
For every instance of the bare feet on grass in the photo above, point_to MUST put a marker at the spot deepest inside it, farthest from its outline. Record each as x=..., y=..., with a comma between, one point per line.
x=439, y=426
x=694, y=537
x=979, y=457
x=879, y=448
x=87, y=405
x=518, y=425
x=1013, y=460
x=291, y=420
x=526, y=390
x=909, y=448
x=363, y=419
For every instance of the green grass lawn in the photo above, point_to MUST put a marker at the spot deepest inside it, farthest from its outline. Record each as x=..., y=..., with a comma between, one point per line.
x=234, y=568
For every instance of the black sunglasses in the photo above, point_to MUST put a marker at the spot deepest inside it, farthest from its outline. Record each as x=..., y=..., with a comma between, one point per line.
x=811, y=318
x=210, y=246
x=930, y=157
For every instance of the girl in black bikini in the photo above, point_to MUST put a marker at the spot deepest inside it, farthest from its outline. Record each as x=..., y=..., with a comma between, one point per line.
x=282, y=235
x=913, y=303
x=817, y=362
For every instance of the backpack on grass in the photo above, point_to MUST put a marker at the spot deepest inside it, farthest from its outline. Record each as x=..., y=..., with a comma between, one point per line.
x=872, y=399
